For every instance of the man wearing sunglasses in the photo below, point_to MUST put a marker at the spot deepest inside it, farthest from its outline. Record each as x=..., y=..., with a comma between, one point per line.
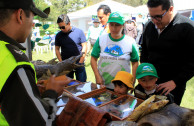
x=72, y=42
x=168, y=43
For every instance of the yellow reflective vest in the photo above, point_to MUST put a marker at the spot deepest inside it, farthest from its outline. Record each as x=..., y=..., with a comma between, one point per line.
x=7, y=65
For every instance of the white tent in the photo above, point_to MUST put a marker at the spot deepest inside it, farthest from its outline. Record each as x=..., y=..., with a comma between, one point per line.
x=143, y=9
x=92, y=10
x=179, y=5
x=82, y=17
x=184, y=7
x=183, y=4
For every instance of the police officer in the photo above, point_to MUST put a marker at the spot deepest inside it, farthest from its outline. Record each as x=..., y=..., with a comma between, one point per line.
x=20, y=101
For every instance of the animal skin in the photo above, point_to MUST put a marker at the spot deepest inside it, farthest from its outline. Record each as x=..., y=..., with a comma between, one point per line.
x=45, y=70
x=188, y=119
x=171, y=115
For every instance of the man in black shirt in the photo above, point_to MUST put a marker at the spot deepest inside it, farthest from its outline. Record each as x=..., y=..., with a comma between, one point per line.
x=72, y=42
x=168, y=43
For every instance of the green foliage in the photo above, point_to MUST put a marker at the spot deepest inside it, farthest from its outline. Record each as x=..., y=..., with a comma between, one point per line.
x=133, y=3
x=40, y=4
x=92, y=2
x=59, y=7
x=38, y=25
x=37, y=39
x=41, y=44
x=32, y=45
x=46, y=26
x=52, y=29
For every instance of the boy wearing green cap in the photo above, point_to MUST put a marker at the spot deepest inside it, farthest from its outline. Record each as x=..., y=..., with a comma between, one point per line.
x=147, y=76
x=115, y=51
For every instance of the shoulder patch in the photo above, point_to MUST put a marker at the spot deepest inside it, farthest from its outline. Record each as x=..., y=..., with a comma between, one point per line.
x=17, y=53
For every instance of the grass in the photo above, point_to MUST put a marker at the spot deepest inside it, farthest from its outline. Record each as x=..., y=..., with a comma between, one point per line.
x=187, y=100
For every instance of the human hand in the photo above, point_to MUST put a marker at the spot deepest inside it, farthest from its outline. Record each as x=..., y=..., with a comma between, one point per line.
x=40, y=82
x=57, y=85
x=99, y=80
x=102, y=86
x=82, y=59
x=167, y=87
x=134, y=80
x=41, y=86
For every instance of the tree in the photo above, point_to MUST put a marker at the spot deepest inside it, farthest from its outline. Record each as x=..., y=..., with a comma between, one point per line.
x=92, y=2
x=59, y=7
x=41, y=4
x=133, y=3
x=66, y=6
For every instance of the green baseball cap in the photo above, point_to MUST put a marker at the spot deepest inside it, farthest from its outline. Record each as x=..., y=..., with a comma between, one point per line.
x=146, y=69
x=116, y=17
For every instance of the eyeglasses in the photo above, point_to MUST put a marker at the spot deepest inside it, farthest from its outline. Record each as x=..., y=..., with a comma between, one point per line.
x=62, y=27
x=158, y=17
x=100, y=17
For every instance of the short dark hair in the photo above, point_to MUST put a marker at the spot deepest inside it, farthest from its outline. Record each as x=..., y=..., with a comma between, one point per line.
x=120, y=83
x=165, y=3
x=105, y=8
x=6, y=14
x=63, y=18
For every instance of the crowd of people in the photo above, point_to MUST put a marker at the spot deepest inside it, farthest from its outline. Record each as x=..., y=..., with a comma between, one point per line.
x=166, y=63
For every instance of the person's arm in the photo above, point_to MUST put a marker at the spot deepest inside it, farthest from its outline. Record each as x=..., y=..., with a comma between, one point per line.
x=21, y=103
x=88, y=34
x=94, y=58
x=144, y=52
x=84, y=49
x=135, y=32
x=167, y=87
x=134, y=68
x=186, y=71
x=134, y=60
x=84, y=46
x=57, y=51
x=98, y=77
x=57, y=47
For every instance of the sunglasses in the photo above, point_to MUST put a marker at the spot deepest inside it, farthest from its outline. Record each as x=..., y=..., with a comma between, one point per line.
x=62, y=27
x=158, y=17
